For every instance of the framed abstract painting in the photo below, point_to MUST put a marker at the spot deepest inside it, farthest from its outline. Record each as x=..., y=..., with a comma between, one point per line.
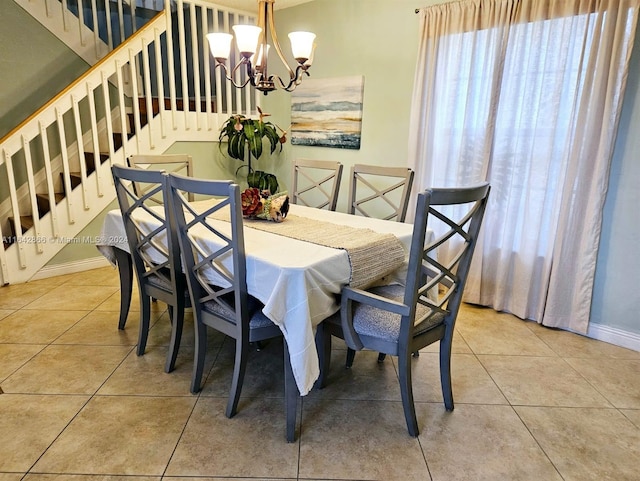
x=328, y=112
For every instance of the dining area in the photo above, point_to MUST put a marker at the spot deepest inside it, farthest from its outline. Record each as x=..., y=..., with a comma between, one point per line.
x=182, y=334
x=189, y=243
x=219, y=345
x=115, y=380
x=306, y=365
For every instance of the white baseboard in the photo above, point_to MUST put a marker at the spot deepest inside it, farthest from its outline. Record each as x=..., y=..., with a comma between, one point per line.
x=71, y=267
x=615, y=336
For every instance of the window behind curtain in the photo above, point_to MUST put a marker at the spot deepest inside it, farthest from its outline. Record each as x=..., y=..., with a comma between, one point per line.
x=530, y=102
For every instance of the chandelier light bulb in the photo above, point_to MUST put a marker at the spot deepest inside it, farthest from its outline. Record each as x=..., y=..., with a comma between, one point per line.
x=302, y=45
x=220, y=45
x=247, y=38
x=257, y=59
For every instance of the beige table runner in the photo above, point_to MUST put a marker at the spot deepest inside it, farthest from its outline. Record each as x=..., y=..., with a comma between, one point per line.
x=372, y=255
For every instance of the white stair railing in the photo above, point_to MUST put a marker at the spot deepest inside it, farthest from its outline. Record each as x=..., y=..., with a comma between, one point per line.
x=148, y=93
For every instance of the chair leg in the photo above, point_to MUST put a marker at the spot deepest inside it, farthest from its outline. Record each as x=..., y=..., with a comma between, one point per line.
x=125, y=273
x=145, y=316
x=239, y=368
x=351, y=354
x=177, y=321
x=291, y=395
x=445, y=372
x=381, y=356
x=323, y=345
x=198, y=357
x=406, y=391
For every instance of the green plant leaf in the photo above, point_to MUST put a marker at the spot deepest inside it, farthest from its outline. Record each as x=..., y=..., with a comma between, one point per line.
x=271, y=134
x=263, y=181
x=253, y=178
x=253, y=139
x=249, y=137
x=236, y=146
x=271, y=183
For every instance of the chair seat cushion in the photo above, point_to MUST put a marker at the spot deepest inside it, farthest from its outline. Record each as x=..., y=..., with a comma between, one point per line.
x=385, y=325
x=159, y=281
x=256, y=316
x=163, y=282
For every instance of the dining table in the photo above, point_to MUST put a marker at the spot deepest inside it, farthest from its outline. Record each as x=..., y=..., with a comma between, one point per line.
x=296, y=269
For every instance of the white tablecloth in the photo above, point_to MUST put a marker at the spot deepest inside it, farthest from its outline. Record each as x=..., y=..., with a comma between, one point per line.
x=298, y=282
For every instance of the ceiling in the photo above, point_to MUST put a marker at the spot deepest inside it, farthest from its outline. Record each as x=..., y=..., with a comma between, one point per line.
x=251, y=5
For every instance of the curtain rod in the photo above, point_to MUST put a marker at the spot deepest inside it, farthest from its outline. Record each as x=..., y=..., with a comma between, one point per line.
x=417, y=10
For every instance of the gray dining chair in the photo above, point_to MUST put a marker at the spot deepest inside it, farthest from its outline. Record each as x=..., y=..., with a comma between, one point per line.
x=154, y=252
x=400, y=320
x=380, y=191
x=216, y=279
x=170, y=163
x=316, y=183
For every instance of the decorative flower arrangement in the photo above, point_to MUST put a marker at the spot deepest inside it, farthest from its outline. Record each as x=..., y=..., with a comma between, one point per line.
x=257, y=204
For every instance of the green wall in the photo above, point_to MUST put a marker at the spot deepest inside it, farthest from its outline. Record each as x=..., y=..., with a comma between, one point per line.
x=377, y=39
x=34, y=66
x=616, y=297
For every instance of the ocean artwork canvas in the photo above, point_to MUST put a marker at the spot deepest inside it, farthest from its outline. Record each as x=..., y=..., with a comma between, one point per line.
x=328, y=112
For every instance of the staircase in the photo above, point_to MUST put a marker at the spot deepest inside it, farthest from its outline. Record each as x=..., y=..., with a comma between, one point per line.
x=139, y=97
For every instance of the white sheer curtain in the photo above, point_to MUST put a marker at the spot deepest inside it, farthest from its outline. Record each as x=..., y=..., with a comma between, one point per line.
x=526, y=94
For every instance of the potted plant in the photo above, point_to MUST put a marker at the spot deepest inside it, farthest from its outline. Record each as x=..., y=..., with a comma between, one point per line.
x=245, y=137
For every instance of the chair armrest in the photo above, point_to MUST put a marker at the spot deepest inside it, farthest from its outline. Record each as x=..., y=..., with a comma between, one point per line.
x=374, y=300
x=350, y=295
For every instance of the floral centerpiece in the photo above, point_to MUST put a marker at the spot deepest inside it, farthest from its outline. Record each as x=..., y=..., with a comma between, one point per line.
x=259, y=204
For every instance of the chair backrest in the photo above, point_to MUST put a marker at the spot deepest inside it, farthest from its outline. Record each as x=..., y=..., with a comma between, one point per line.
x=212, y=246
x=152, y=239
x=316, y=183
x=438, y=269
x=171, y=163
x=379, y=191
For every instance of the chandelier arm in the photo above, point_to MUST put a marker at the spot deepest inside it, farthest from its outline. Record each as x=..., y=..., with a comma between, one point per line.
x=276, y=44
x=295, y=80
x=230, y=78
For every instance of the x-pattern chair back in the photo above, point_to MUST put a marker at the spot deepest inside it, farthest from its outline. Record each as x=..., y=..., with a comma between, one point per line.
x=316, y=183
x=379, y=191
x=213, y=279
x=170, y=163
x=150, y=249
x=401, y=320
x=446, y=260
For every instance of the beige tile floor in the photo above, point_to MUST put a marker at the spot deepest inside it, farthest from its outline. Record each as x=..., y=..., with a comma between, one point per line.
x=79, y=405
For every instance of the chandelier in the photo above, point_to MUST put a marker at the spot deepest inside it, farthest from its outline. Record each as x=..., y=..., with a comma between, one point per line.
x=254, y=38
